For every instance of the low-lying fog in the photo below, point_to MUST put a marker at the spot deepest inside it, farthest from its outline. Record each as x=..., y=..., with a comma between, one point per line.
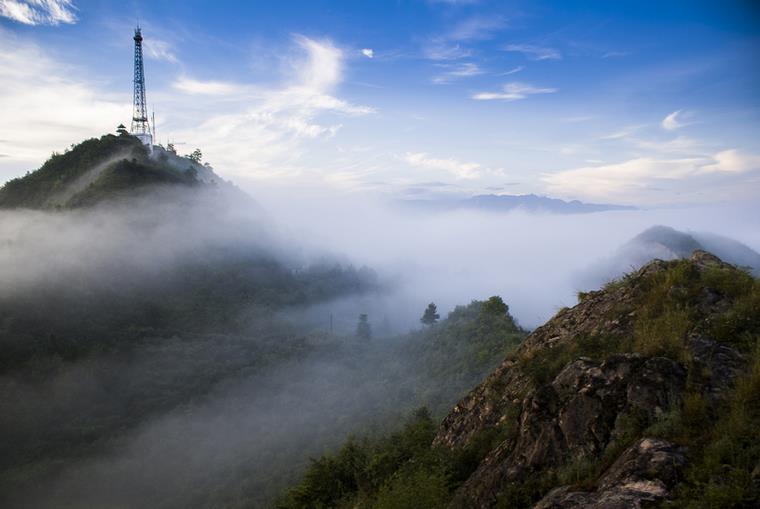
x=233, y=429
x=536, y=262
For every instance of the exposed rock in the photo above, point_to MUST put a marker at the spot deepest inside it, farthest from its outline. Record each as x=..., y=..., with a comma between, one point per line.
x=722, y=362
x=574, y=418
x=589, y=404
x=645, y=473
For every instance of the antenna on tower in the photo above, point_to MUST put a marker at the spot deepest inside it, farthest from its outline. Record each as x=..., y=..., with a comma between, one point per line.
x=153, y=123
x=140, y=127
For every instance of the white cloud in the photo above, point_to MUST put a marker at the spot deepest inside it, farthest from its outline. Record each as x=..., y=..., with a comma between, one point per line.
x=38, y=12
x=31, y=87
x=732, y=161
x=368, y=52
x=159, y=50
x=619, y=181
x=513, y=92
x=671, y=122
x=460, y=169
x=648, y=179
x=534, y=52
x=456, y=71
x=192, y=86
x=265, y=131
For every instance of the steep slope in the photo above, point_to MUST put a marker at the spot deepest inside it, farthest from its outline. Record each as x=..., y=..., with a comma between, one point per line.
x=617, y=377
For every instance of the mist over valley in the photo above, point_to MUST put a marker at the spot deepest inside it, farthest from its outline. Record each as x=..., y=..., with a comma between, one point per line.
x=420, y=255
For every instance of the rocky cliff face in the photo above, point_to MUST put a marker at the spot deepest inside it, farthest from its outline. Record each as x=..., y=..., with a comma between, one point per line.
x=583, y=402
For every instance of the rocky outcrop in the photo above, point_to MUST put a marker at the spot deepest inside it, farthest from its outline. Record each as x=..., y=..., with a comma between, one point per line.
x=721, y=362
x=490, y=402
x=644, y=474
x=586, y=407
x=591, y=406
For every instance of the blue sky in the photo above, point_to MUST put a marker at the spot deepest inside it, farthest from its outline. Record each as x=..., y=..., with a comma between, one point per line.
x=645, y=103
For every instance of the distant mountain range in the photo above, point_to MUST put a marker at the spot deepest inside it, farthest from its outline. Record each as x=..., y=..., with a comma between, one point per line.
x=507, y=203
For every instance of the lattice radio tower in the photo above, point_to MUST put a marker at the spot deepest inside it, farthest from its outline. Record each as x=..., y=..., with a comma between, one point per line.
x=140, y=127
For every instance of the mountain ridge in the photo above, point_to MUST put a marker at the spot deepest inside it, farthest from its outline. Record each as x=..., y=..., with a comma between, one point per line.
x=505, y=203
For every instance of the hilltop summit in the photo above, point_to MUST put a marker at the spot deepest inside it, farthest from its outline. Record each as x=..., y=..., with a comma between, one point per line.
x=102, y=169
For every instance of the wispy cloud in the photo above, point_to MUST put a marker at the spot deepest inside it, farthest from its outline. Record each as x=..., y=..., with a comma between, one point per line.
x=456, y=71
x=534, y=52
x=193, y=86
x=625, y=132
x=264, y=132
x=514, y=70
x=439, y=49
x=368, y=52
x=476, y=28
x=448, y=45
x=31, y=88
x=39, y=12
x=513, y=92
x=459, y=169
x=672, y=122
x=159, y=50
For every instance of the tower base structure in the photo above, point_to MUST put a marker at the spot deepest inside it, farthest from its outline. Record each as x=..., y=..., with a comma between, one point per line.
x=145, y=138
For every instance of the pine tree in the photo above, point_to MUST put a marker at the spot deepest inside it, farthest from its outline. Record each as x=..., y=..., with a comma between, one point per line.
x=431, y=316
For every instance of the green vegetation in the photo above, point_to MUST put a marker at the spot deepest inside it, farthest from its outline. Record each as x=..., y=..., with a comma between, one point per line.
x=723, y=445
x=106, y=168
x=667, y=308
x=430, y=316
x=402, y=470
x=460, y=350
